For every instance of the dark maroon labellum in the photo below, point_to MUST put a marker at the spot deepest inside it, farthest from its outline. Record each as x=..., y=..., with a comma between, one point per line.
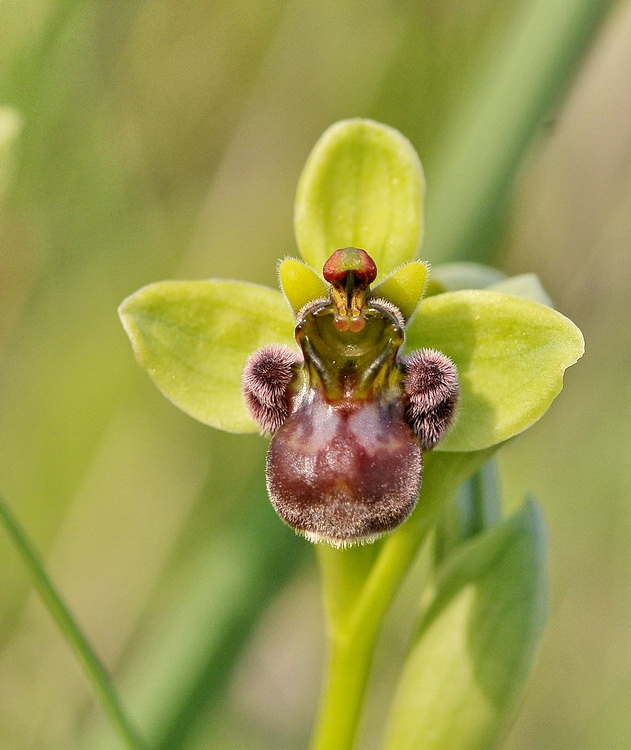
x=350, y=418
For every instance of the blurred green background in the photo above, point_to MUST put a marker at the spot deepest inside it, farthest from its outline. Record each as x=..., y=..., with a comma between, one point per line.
x=164, y=140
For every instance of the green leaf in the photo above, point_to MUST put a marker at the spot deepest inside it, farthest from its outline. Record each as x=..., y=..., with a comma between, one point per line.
x=404, y=287
x=300, y=283
x=475, y=648
x=510, y=353
x=362, y=186
x=193, y=338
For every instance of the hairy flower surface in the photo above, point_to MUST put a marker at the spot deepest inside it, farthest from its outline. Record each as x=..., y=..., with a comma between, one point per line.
x=349, y=371
x=351, y=416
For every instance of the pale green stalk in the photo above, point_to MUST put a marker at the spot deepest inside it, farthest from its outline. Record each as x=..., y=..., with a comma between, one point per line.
x=359, y=585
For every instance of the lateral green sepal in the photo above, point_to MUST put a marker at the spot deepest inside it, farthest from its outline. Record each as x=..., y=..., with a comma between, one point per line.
x=510, y=353
x=193, y=338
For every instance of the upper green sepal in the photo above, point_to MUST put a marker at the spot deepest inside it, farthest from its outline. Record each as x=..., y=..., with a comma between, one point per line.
x=510, y=353
x=362, y=186
x=476, y=644
x=193, y=338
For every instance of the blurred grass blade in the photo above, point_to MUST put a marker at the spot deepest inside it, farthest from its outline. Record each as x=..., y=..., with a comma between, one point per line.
x=10, y=128
x=200, y=622
x=473, y=654
x=534, y=64
x=92, y=666
x=246, y=574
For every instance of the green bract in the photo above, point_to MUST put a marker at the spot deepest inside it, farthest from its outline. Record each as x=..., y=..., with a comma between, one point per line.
x=362, y=186
x=193, y=337
x=476, y=643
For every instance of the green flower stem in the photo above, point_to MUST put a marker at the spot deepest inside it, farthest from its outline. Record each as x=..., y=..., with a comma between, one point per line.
x=347, y=676
x=92, y=666
x=359, y=585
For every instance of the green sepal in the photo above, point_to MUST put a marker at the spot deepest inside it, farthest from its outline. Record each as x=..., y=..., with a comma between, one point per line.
x=193, y=338
x=510, y=353
x=476, y=644
x=452, y=277
x=300, y=283
x=404, y=287
x=362, y=186
x=526, y=285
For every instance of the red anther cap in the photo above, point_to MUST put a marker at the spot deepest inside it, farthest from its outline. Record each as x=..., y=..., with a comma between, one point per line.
x=349, y=259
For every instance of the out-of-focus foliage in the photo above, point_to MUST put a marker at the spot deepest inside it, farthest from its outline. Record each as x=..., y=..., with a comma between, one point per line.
x=473, y=652
x=164, y=140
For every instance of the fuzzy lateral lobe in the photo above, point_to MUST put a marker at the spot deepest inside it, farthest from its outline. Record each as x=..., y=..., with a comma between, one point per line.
x=265, y=384
x=431, y=390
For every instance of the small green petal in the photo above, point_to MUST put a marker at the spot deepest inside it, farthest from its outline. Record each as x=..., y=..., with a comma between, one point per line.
x=404, y=287
x=193, y=338
x=300, y=283
x=472, y=657
x=510, y=353
x=362, y=186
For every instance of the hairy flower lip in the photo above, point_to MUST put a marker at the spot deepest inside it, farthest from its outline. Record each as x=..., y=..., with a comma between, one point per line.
x=343, y=473
x=339, y=542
